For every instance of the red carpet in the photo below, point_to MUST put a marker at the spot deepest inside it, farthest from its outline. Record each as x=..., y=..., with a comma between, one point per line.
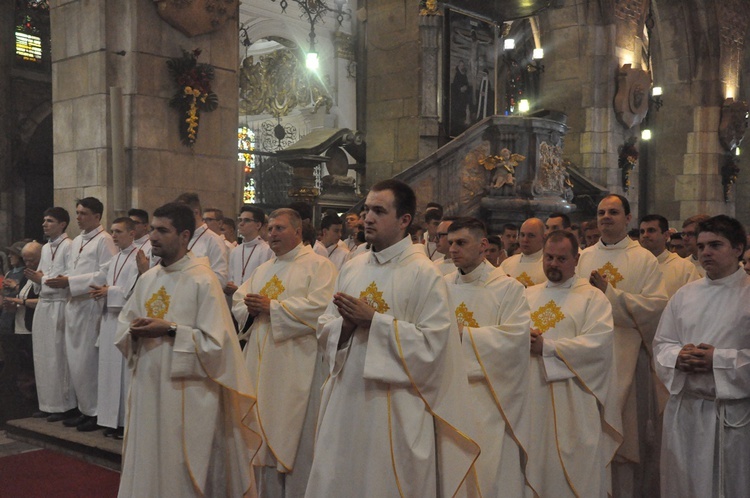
x=44, y=473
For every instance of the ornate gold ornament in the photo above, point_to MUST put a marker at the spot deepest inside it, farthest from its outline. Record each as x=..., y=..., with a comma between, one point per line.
x=465, y=317
x=278, y=83
x=273, y=288
x=196, y=17
x=552, y=176
x=547, y=316
x=525, y=279
x=504, y=166
x=158, y=304
x=612, y=274
x=374, y=298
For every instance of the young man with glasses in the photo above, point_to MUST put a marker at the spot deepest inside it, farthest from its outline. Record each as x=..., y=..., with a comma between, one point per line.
x=253, y=251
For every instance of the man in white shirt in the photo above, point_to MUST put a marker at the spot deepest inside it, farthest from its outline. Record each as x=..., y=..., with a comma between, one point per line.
x=701, y=352
x=54, y=388
x=122, y=273
x=253, y=252
x=330, y=244
x=689, y=233
x=352, y=226
x=556, y=221
x=90, y=253
x=509, y=236
x=527, y=267
x=654, y=230
x=206, y=242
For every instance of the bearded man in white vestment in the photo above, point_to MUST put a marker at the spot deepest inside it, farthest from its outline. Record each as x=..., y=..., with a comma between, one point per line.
x=493, y=316
x=122, y=273
x=190, y=398
x=205, y=242
x=285, y=296
x=527, y=266
x=53, y=385
x=90, y=253
x=701, y=352
x=574, y=423
x=628, y=275
x=395, y=418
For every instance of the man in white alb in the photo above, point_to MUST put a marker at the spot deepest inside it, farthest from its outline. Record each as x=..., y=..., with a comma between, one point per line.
x=629, y=277
x=330, y=244
x=53, y=385
x=206, y=242
x=574, y=423
x=493, y=316
x=445, y=263
x=527, y=266
x=395, y=417
x=285, y=296
x=253, y=251
x=676, y=271
x=186, y=431
x=701, y=352
x=122, y=273
x=689, y=234
x=90, y=253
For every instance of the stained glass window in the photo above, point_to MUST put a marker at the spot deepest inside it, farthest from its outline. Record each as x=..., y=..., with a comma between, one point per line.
x=32, y=30
x=245, y=146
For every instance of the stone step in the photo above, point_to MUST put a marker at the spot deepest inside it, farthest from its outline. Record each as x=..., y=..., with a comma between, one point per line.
x=91, y=447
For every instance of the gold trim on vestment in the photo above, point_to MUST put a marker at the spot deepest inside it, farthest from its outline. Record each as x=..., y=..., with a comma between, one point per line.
x=390, y=440
x=557, y=444
x=500, y=409
x=295, y=316
x=429, y=408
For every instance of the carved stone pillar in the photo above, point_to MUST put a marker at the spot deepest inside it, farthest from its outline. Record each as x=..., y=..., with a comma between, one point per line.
x=430, y=27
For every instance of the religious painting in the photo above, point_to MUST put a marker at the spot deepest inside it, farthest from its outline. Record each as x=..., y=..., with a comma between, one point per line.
x=471, y=48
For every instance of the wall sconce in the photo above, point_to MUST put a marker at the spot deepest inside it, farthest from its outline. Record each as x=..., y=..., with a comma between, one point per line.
x=509, y=44
x=536, y=63
x=655, y=99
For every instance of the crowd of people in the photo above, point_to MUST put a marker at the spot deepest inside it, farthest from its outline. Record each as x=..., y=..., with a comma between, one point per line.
x=378, y=356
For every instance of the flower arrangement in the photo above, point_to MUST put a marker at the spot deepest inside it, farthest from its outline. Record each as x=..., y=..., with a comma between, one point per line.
x=627, y=160
x=193, y=93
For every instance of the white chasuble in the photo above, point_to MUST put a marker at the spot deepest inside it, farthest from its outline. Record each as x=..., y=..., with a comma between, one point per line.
x=122, y=274
x=207, y=244
x=706, y=436
x=528, y=270
x=190, y=401
x=53, y=385
x=395, y=417
x=493, y=313
x=281, y=354
x=676, y=271
x=574, y=422
x=90, y=253
x=637, y=294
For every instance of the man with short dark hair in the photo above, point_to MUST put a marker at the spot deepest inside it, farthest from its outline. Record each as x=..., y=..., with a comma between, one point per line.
x=689, y=234
x=91, y=251
x=253, y=251
x=677, y=245
x=628, y=275
x=572, y=367
x=330, y=244
x=190, y=395
x=700, y=352
x=495, y=253
x=509, y=235
x=557, y=221
x=229, y=231
x=654, y=230
x=206, y=242
x=493, y=317
x=122, y=273
x=284, y=297
x=432, y=217
x=527, y=266
x=397, y=389
x=54, y=389
x=352, y=227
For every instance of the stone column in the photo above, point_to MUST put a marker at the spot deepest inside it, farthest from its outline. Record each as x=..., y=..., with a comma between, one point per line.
x=7, y=40
x=99, y=44
x=429, y=126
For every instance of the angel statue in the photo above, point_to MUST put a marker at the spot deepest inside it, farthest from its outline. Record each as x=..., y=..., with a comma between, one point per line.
x=504, y=167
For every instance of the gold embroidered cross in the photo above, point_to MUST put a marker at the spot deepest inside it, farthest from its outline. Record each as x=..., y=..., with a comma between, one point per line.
x=465, y=317
x=525, y=279
x=374, y=298
x=547, y=316
x=273, y=288
x=158, y=304
x=612, y=273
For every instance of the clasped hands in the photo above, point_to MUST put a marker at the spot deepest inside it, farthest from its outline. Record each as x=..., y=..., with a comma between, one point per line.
x=149, y=327
x=696, y=359
x=536, y=346
x=257, y=304
x=355, y=312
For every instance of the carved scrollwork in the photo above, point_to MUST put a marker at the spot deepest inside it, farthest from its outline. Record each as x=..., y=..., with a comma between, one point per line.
x=552, y=176
x=196, y=17
x=631, y=101
x=277, y=83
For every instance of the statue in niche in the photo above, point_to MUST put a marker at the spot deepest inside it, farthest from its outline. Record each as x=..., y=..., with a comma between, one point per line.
x=552, y=177
x=503, y=167
x=734, y=115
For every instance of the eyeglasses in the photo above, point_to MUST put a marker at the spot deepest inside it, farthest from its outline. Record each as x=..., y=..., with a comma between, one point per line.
x=246, y=220
x=206, y=220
